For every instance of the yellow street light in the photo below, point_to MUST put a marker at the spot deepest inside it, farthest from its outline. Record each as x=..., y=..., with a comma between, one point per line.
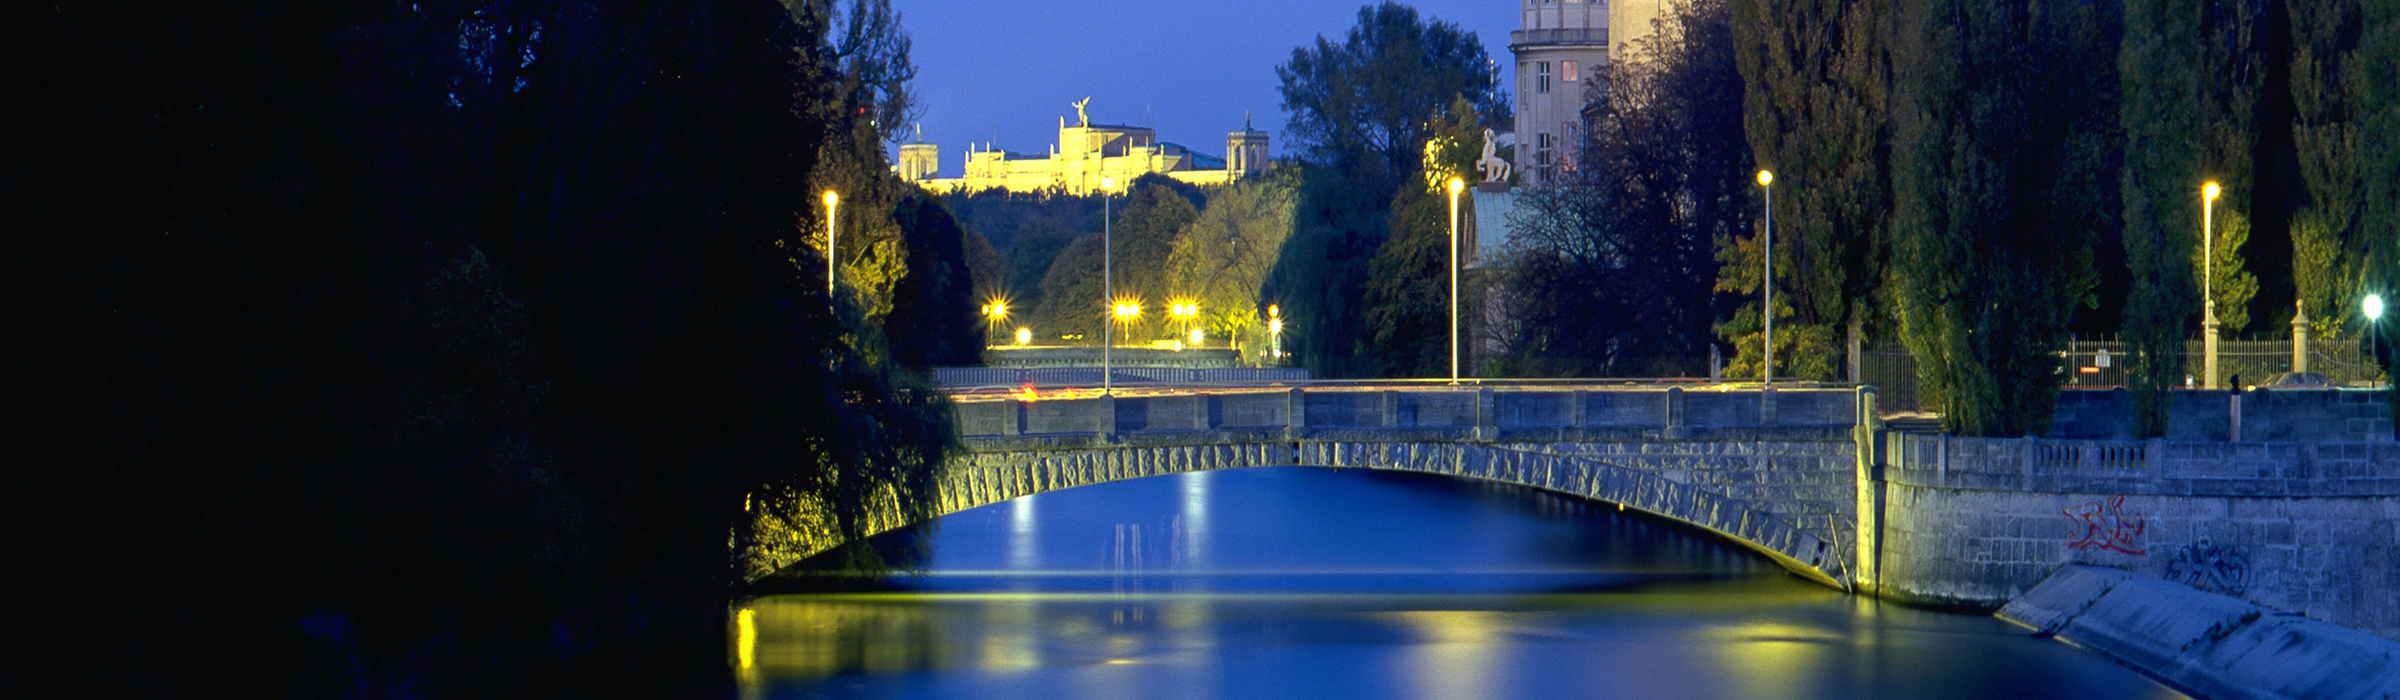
x=1766, y=182
x=993, y=314
x=1024, y=335
x=1275, y=332
x=2208, y=269
x=831, y=202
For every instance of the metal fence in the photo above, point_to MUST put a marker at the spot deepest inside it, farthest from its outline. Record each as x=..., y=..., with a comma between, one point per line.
x=2100, y=364
x=1090, y=376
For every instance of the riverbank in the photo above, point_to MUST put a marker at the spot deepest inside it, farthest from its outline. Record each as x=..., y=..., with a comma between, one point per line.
x=2209, y=645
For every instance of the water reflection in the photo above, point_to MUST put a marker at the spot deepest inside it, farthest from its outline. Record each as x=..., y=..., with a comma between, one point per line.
x=1310, y=583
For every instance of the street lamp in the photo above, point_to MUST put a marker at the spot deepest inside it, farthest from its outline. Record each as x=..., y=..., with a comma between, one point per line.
x=1275, y=333
x=1766, y=182
x=1183, y=311
x=992, y=314
x=1455, y=185
x=1127, y=311
x=1108, y=279
x=1024, y=335
x=2373, y=307
x=831, y=201
x=2208, y=266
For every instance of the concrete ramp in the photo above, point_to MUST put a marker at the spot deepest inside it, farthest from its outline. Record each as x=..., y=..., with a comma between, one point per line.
x=2209, y=645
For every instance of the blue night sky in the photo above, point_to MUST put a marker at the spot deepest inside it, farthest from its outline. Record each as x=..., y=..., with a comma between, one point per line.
x=1005, y=72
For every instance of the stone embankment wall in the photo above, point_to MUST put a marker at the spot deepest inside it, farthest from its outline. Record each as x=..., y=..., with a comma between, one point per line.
x=2303, y=527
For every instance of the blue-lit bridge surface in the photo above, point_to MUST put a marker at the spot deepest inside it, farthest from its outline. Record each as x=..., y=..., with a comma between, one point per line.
x=1772, y=469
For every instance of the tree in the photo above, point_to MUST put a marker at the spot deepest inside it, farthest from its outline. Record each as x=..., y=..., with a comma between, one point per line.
x=1408, y=289
x=867, y=102
x=2190, y=82
x=933, y=319
x=1221, y=260
x=2330, y=90
x=1610, y=270
x=1361, y=112
x=2005, y=142
x=1143, y=238
x=1375, y=94
x=1818, y=76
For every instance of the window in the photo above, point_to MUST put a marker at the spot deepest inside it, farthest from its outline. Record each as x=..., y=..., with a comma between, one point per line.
x=1567, y=72
x=1541, y=77
x=1542, y=145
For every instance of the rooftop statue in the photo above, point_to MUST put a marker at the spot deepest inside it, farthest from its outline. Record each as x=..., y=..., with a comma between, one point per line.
x=1082, y=115
x=1494, y=168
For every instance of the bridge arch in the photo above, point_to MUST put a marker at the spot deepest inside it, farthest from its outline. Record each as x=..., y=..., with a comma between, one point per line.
x=994, y=476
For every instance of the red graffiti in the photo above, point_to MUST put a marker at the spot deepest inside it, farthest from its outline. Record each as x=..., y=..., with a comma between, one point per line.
x=2106, y=525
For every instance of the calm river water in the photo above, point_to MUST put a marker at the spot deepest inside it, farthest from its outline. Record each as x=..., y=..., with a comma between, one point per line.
x=1311, y=583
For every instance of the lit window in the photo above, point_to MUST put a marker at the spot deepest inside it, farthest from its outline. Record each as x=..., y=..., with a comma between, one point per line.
x=1541, y=77
x=1567, y=72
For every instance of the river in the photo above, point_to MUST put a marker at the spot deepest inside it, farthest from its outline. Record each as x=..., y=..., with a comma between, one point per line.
x=1298, y=582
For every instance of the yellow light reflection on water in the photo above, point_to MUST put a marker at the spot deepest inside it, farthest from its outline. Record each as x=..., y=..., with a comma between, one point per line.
x=1769, y=660
x=1455, y=651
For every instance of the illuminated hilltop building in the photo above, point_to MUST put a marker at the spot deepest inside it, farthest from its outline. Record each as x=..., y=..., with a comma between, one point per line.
x=1085, y=155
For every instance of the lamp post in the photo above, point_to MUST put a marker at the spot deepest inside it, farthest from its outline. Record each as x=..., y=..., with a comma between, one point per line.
x=1275, y=333
x=1183, y=311
x=2373, y=307
x=1455, y=185
x=1766, y=182
x=1108, y=280
x=831, y=202
x=2208, y=267
x=992, y=314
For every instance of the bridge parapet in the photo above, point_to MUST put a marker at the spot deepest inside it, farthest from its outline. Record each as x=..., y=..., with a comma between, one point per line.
x=1483, y=413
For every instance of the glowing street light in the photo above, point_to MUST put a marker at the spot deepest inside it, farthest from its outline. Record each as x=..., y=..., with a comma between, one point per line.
x=1766, y=182
x=2208, y=268
x=1275, y=332
x=1183, y=311
x=831, y=202
x=1024, y=335
x=1455, y=186
x=993, y=313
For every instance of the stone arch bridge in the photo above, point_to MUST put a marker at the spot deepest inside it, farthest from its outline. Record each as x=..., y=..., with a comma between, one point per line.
x=1774, y=470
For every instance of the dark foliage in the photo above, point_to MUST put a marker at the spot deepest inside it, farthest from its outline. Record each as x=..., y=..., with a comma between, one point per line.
x=421, y=349
x=933, y=319
x=1611, y=271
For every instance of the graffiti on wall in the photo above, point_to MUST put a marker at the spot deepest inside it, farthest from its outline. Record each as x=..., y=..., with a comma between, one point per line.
x=2208, y=567
x=2106, y=525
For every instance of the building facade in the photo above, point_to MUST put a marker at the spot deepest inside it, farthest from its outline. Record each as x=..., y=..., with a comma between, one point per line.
x=1561, y=48
x=1086, y=156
